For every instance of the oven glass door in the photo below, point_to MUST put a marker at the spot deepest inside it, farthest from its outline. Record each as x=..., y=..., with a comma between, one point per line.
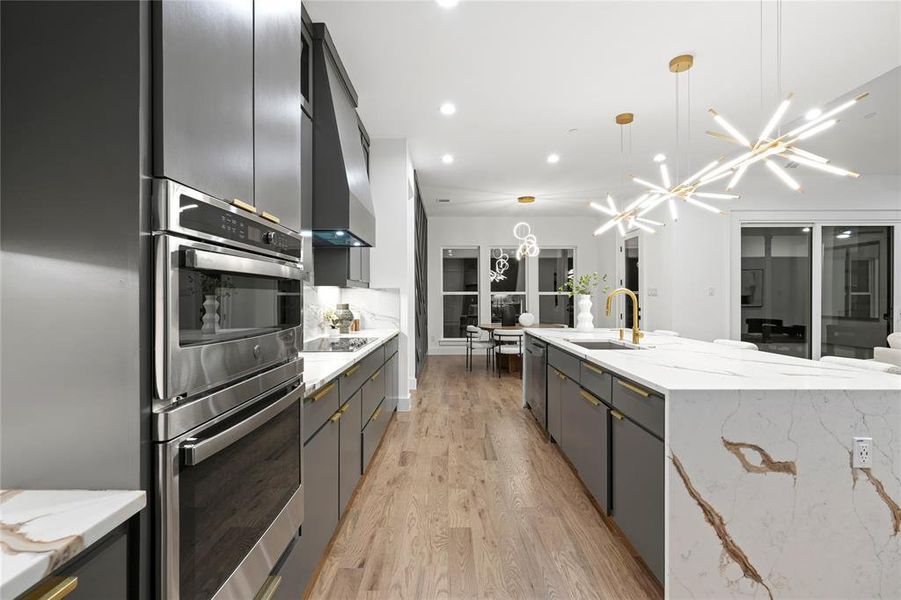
x=234, y=479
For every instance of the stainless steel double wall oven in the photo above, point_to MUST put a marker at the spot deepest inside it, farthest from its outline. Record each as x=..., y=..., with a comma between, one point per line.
x=228, y=395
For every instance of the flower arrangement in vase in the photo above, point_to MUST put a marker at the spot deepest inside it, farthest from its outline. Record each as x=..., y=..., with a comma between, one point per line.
x=581, y=289
x=331, y=318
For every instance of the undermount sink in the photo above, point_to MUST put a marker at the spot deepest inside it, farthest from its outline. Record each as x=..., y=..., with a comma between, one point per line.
x=602, y=345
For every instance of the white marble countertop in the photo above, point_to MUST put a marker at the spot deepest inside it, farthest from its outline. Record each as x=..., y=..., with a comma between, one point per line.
x=44, y=529
x=321, y=367
x=667, y=363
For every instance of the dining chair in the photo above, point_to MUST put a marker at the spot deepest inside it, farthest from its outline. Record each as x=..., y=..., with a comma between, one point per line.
x=507, y=343
x=736, y=344
x=477, y=339
x=859, y=363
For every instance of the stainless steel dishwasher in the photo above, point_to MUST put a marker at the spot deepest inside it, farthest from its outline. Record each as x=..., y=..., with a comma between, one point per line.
x=535, y=382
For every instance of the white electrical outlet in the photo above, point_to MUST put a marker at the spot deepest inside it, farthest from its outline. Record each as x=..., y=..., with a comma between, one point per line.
x=863, y=457
x=711, y=291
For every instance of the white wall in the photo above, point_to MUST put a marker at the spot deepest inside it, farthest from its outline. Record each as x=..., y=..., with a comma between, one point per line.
x=392, y=258
x=592, y=254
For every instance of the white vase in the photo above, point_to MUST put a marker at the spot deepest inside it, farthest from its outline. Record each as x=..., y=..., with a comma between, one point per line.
x=210, y=318
x=333, y=332
x=584, y=320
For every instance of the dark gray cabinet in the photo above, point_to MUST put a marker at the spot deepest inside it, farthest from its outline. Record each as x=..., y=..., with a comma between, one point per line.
x=306, y=194
x=350, y=451
x=320, y=484
x=203, y=69
x=586, y=440
x=555, y=381
x=373, y=432
x=392, y=379
x=535, y=379
x=318, y=407
x=638, y=492
x=373, y=393
x=277, y=102
x=292, y=582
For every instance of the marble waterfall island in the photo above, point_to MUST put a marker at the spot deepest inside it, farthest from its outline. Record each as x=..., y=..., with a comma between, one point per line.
x=761, y=500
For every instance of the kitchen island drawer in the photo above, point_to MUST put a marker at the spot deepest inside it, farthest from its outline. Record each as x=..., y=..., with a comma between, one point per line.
x=563, y=362
x=318, y=407
x=373, y=393
x=639, y=404
x=373, y=432
x=597, y=381
x=354, y=377
x=391, y=347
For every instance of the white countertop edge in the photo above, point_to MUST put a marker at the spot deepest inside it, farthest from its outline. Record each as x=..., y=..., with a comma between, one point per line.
x=90, y=514
x=321, y=367
x=854, y=379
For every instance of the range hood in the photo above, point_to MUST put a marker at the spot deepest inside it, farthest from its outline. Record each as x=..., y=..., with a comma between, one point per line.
x=342, y=205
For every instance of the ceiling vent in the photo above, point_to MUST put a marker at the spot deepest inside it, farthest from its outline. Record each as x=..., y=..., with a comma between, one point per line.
x=791, y=165
x=443, y=200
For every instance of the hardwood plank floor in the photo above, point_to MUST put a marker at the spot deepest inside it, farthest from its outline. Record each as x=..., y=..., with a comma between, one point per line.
x=466, y=499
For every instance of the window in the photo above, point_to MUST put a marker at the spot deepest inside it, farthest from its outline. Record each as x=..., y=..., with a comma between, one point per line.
x=555, y=265
x=508, y=286
x=776, y=288
x=459, y=290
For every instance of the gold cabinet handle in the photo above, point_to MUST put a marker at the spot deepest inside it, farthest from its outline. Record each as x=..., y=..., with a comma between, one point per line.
x=244, y=205
x=351, y=370
x=344, y=408
x=376, y=414
x=617, y=415
x=594, y=401
x=633, y=388
x=376, y=376
x=267, y=592
x=323, y=392
x=336, y=417
x=54, y=588
x=591, y=367
x=560, y=375
x=270, y=217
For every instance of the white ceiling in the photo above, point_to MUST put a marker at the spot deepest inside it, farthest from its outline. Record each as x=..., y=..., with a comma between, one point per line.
x=522, y=74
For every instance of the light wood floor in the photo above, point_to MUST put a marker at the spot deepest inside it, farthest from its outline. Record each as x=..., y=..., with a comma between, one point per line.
x=465, y=499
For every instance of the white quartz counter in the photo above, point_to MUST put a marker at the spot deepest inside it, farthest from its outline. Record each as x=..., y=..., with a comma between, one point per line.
x=667, y=363
x=321, y=367
x=44, y=529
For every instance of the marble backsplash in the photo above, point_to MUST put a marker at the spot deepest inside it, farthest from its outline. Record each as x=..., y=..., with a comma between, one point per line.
x=376, y=308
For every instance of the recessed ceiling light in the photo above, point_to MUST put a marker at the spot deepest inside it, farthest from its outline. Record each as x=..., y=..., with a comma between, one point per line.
x=812, y=114
x=339, y=233
x=574, y=130
x=659, y=158
x=447, y=109
x=553, y=158
x=447, y=159
x=447, y=3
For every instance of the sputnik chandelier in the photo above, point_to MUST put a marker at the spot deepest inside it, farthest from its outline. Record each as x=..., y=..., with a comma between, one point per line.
x=528, y=242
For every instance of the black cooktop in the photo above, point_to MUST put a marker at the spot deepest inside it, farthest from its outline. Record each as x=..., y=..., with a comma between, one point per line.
x=336, y=344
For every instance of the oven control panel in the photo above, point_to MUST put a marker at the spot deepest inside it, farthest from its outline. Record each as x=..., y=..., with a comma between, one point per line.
x=213, y=220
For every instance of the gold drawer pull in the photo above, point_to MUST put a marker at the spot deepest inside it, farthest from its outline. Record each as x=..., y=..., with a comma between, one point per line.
x=336, y=417
x=323, y=392
x=270, y=217
x=633, y=388
x=376, y=376
x=617, y=415
x=244, y=205
x=376, y=414
x=560, y=375
x=591, y=367
x=267, y=592
x=54, y=588
x=351, y=370
x=590, y=398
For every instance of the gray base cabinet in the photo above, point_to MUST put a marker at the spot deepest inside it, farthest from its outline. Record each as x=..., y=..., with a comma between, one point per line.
x=320, y=479
x=586, y=439
x=638, y=500
x=373, y=432
x=555, y=381
x=350, y=452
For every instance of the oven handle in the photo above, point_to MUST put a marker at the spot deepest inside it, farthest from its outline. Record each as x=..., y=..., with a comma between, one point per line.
x=197, y=450
x=205, y=260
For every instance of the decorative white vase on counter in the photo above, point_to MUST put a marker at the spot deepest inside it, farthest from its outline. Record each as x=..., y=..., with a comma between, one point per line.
x=584, y=320
x=210, y=318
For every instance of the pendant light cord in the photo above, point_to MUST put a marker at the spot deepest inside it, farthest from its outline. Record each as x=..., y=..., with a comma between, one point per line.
x=678, y=146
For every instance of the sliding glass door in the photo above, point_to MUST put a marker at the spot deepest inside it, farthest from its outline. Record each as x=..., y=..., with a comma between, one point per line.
x=812, y=290
x=857, y=289
x=776, y=288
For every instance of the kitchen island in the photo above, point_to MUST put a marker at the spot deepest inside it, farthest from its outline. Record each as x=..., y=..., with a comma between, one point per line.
x=723, y=466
